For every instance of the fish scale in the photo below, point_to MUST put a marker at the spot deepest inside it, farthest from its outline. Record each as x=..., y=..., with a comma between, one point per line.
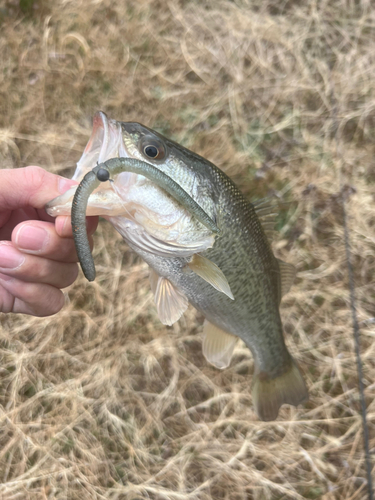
x=254, y=286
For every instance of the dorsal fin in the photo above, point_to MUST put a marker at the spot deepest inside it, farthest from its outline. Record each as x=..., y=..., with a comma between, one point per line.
x=267, y=211
x=211, y=273
x=287, y=274
x=170, y=302
x=218, y=345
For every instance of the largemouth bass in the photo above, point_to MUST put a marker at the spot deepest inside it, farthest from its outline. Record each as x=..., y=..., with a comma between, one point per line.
x=230, y=275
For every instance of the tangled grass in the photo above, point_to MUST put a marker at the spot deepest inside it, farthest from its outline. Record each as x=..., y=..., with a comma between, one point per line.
x=102, y=401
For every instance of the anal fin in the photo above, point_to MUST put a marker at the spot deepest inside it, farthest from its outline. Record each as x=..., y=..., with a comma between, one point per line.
x=218, y=345
x=211, y=273
x=271, y=393
x=170, y=302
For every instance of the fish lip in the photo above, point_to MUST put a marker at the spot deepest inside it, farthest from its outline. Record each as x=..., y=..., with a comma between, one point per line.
x=106, y=139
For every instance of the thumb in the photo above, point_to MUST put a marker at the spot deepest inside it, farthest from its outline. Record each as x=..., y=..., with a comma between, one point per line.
x=30, y=186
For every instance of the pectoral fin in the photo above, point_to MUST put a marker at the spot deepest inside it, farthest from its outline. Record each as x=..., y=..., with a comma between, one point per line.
x=287, y=276
x=209, y=271
x=170, y=302
x=218, y=345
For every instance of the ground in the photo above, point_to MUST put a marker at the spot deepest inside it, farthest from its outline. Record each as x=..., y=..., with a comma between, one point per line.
x=102, y=401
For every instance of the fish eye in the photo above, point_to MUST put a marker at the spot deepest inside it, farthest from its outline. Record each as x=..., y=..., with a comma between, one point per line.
x=151, y=151
x=152, y=148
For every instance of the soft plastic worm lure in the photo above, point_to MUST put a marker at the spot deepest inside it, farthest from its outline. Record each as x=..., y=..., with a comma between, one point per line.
x=102, y=173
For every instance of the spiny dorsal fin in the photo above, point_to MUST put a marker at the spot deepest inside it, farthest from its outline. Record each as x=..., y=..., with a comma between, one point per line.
x=218, y=345
x=267, y=211
x=170, y=302
x=209, y=271
x=287, y=274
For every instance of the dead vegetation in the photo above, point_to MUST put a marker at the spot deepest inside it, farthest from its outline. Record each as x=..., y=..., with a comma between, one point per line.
x=102, y=401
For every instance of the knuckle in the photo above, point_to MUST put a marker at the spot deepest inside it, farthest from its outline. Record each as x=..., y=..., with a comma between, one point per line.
x=45, y=271
x=56, y=274
x=50, y=301
x=70, y=276
x=61, y=249
x=56, y=302
x=68, y=251
x=34, y=176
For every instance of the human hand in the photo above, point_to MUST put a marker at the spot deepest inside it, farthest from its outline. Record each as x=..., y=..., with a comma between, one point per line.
x=37, y=253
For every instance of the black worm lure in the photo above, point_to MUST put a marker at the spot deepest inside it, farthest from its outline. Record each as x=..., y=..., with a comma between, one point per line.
x=102, y=173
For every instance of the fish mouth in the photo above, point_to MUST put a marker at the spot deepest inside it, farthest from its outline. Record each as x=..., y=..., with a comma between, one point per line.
x=138, y=209
x=106, y=142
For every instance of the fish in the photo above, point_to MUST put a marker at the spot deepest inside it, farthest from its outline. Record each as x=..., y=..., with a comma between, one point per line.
x=226, y=270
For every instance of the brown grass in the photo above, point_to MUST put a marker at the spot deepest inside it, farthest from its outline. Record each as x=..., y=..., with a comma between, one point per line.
x=102, y=401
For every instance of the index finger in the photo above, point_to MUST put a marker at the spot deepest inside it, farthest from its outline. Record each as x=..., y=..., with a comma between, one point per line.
x=30, y=186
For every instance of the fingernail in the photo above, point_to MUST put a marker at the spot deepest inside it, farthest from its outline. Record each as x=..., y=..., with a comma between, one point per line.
x=10, y=258
x=65, y=184
x=32, y=238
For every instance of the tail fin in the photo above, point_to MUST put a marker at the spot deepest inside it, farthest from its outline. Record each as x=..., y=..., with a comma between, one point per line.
x=270, y=393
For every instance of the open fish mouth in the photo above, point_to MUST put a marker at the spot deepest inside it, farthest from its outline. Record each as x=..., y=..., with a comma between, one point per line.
x=106, y=142
x=148, y=214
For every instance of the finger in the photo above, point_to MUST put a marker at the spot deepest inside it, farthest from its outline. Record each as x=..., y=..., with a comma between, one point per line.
x=29, y=298
x=64, y=226
x=6, y=299
x=30, y=186
x=35, y=269
x=16, y=216
x=42, y=215
x=40, y=238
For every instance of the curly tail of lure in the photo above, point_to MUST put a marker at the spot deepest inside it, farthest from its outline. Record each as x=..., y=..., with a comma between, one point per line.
x=102, y=173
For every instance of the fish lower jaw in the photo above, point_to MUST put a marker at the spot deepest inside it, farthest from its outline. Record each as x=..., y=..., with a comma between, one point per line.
x=102, y=202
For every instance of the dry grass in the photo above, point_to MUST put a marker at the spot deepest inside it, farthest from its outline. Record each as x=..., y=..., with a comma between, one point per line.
x=102, y=401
